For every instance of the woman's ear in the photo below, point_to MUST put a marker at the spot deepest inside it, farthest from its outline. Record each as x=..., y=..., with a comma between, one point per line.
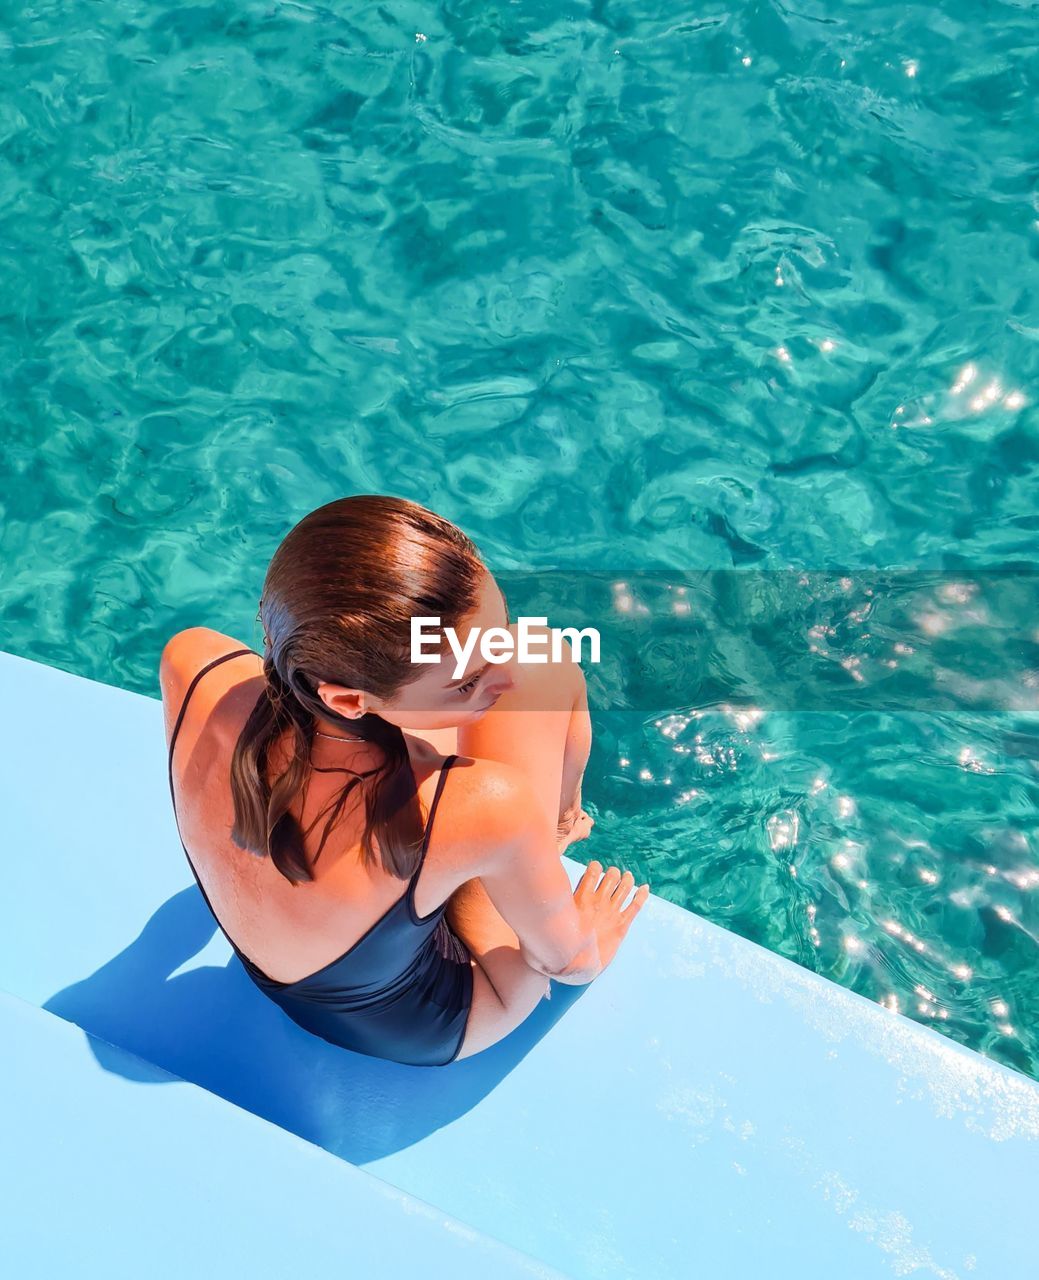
x=341, y=700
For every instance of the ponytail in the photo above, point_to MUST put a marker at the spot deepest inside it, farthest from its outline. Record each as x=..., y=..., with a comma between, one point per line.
x=263, y=823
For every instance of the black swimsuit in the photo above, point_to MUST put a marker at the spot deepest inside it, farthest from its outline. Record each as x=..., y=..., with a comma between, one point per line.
x=402, y=991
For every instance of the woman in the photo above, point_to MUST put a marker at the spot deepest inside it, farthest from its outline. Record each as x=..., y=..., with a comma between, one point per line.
x=335, y=716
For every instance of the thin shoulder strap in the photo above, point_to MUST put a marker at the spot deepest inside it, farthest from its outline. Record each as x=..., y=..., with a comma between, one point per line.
x=448, y=762
x=224, y=657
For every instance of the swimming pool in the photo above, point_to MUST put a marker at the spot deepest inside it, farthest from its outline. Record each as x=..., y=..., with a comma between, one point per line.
x=752, y=292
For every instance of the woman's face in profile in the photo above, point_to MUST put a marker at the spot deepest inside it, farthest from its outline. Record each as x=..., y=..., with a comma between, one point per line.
x=438, y=699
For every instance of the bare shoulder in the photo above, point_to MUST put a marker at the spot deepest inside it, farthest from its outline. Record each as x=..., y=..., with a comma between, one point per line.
x=183, y=657
x=484, y=806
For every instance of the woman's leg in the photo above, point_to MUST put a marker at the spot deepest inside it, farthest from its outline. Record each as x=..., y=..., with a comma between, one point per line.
x=521, y=737
x=575, y=759
x=540, y=725
x=505, y=989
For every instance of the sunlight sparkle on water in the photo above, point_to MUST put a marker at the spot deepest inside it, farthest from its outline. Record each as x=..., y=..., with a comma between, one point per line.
x=625, y=602
x=782, y=829
x=957, y=592
x=672, y=726
x=954, y=407
x=744, y=718
x=968, y=760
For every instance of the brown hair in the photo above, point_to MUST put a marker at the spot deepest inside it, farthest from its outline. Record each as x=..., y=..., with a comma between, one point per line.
x=336, y=605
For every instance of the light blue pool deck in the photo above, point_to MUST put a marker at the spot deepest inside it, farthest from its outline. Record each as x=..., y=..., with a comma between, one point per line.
x=114, y=1167
x=704, y=1108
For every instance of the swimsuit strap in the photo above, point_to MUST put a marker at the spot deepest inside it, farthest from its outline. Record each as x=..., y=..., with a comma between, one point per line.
x=448, y=762
x=224, y=657
x=408, y=897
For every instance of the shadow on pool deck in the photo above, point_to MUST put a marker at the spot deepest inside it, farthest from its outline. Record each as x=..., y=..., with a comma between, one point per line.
x=211, y=1026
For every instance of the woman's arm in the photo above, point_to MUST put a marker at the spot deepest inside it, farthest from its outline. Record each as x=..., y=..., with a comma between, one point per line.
x=575, y=759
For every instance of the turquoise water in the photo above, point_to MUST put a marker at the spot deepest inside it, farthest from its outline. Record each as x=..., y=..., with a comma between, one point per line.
x=754, y=291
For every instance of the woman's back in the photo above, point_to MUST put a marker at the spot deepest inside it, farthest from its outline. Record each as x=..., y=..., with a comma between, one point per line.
x=288, y=930
x=402, y=984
